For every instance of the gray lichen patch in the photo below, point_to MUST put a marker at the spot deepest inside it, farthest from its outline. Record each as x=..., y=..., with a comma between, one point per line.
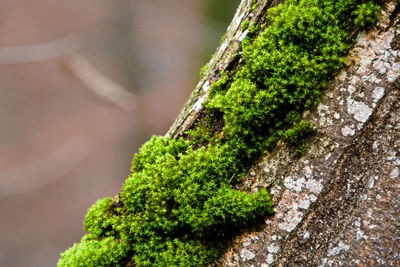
x=395, y=173
x=246, y=255
x=360, y=110
x=348, y=130
x=378, y=93
x=340, y=248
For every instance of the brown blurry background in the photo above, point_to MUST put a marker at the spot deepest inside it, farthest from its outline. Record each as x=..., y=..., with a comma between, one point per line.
x=82, y=85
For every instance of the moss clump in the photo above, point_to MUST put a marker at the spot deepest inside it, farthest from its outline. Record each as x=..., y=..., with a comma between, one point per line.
x=245, y=25
x=178, y=205
x=95, y=252
x=295, y=135
x=366, y=15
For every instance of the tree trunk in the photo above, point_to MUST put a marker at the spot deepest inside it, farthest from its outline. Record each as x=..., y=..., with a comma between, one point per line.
x=339, y=203
x=337, y=197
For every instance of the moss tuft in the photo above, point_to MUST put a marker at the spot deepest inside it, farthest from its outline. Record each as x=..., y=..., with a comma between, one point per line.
x=245, y=25
x=203, y=70
x=95, y=252
x=366, y=15
x=254, y=5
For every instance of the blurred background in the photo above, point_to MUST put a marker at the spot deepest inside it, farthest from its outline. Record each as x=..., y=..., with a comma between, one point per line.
x=82, y=85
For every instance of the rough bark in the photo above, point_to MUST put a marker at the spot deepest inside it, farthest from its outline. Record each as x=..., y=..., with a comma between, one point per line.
x=339, y=203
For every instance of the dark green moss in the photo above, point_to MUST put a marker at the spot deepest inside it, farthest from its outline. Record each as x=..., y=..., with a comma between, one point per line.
x=294, y=137
x=253, y=30
x=178, y=205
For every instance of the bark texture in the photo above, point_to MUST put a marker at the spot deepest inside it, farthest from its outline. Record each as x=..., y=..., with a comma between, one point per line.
x=339, y=203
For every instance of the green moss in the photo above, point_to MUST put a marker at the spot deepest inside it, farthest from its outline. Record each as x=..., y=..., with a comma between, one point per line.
x=285, y=69
x=100, y=220
x=295, y=135
x=255, y=28
x=203, y=133
x=95, y=252
x=235, y=56
x=245, y=25
x=366, y=15
x=203, y=70
x=254, y=5
x=178, y=205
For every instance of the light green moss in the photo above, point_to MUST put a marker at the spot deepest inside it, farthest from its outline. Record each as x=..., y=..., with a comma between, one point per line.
x=178, y=207
x=203, y=70
x=254, y=5
x=95, y=252
x=367, y=14
x=245, y=25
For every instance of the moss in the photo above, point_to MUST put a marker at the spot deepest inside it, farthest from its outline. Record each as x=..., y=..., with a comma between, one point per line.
x=203, y=133
x=245, y=25
x=178, y=205
x=294, y=137
x=235, y=56
x=203, y=70
x=296, y=134
x=254, y=5
x=255, y=28
x=95, y=252
x=366, y=15
x=100, y=220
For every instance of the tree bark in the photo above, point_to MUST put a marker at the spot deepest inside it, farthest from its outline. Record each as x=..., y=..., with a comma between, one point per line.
x=339, y=203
